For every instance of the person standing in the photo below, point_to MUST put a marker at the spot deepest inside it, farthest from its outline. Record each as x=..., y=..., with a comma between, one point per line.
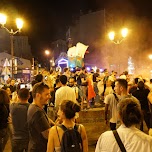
x=67, y=111
x=142, y=95
x=133, y=140
x=38, y=121
x=4, y=113
x=18, y=112
x=121, y=89
x=12, y=86
x=64, y=92
x=111, y=101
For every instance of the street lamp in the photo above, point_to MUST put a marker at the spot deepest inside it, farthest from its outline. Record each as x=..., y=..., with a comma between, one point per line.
x=124, y=33
x=19, y=24
x=47, y=53
x=117, y=39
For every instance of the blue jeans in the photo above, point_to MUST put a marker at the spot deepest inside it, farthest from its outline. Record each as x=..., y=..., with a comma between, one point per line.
x=19, y=145
x=3, y=138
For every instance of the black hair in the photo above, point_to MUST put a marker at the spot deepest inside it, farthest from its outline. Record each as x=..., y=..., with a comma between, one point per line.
x=123, y=83
x=69, y=108
x=130, y=112
x=23, y=93
x=136, y=80
x=39, y=88
x=113, y=85
x=63, y=79
x=83, y=68
x=141, y=85
x=39, y=78
x=4, y=97
x=34, y=82
x=65, y=69
x=57, y=81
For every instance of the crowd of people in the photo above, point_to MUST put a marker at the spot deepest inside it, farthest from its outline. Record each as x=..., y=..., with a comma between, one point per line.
x=24, y=119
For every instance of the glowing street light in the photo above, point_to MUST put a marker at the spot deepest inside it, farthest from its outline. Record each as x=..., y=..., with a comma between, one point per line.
x=150, y=56
x=111, y=36
x=3, y=19
x=124, y=33
x=117, y=39
x=47, y=52
x=19, y=24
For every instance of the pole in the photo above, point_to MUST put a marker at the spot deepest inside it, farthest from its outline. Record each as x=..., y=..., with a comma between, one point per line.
x=12, y=54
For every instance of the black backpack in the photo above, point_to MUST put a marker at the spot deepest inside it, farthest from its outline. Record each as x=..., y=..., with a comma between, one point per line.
x=71, y=139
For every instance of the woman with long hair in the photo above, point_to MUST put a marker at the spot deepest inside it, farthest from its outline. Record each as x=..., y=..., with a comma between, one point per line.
x=67, y=111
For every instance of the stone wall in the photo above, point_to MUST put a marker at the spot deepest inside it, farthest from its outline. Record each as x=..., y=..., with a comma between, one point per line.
x=93, y=121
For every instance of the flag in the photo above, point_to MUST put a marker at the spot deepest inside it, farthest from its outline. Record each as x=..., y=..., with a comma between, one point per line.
x=91, y=92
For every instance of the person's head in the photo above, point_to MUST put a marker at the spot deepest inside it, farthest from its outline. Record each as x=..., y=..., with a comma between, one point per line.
x=12, y=82
x=34, y=82
x=136, y=81
x=141, y=85
x=63, y=79
x=65, y=70
x=98, y=71
x=39, y=78
x=92, y=71
x=125, y=72
x=23, y=94
x=71, y=81
x=105, y=70
x=83, y=70
x=67, y=109
x=4, y=97
x=129, y=112
x=57, y=82
x=121, y=86
x=41, y=93
x=8, y=90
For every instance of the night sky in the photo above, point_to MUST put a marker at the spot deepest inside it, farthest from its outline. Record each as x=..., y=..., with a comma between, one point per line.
x=48, y=20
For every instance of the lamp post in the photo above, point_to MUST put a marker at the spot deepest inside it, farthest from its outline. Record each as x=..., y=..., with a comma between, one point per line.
x=47, y=53
x=118, y=39
x=124, y=33
x=19, y=24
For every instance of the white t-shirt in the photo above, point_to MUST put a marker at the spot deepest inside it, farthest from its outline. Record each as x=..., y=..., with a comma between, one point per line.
x=64, y=93
x=133, y=139
x=112, y=102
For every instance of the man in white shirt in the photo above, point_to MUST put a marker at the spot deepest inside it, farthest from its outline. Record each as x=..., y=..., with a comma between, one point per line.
x=64, y=92
x=111, y=101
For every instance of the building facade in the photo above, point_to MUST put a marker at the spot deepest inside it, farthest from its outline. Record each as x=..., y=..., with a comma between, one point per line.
x=57, y=47
x=89, y=29
x=20, y=44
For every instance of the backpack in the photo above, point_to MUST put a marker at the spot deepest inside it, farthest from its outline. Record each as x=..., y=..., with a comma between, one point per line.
x=71, y=139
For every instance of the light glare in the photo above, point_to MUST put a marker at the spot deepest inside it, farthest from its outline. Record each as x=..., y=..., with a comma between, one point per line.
x=124, y=32
x=47, y=52
x=111, y=36
x=3, y=19
x=19, y=23
x=150, y=56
